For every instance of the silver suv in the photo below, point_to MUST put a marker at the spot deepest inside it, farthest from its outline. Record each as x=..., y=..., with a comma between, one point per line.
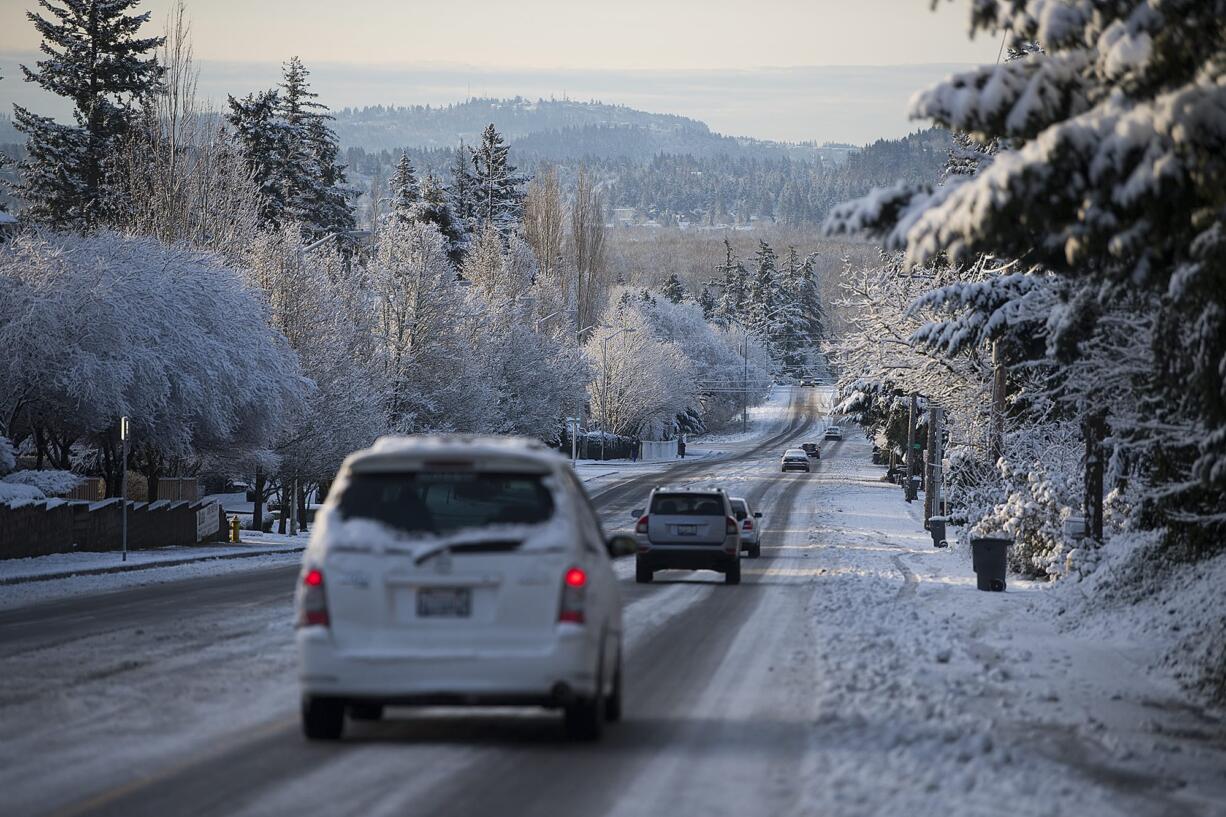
x=687, y=529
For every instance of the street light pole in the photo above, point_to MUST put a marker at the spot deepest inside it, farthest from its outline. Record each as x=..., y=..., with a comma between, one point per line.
x=123, y=483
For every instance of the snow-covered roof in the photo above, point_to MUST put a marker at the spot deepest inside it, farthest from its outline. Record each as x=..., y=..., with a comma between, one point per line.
x=406, y=451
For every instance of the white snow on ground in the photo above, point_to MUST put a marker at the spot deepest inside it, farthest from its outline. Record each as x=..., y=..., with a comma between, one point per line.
x=764, y=420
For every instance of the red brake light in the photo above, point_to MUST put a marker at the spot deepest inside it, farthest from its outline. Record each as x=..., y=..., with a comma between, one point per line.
x=574, y=594
x=748, y=524
x=641, y=527
x=312, y=600
x=730, y=525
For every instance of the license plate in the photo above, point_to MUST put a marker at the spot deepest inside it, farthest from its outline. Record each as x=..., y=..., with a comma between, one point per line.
x=687, y=530
x=444, y=602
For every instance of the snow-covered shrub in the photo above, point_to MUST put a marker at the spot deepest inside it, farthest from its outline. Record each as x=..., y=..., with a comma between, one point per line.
x=8, y=455
x=12, y=494
x=50, y=482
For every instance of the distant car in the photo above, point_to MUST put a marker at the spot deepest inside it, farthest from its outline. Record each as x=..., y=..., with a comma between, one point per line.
x=794, y=459
x=808, y=381
x=459, y=571
x=751, y=526
x=812, y=450
x=834, y=433
x=687, y=529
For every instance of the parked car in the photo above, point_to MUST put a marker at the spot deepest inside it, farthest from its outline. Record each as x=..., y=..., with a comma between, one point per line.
x=751, y=526
x=461, y=571
x=812, y=450
x=834, y=433
x=687, y=529
x=795, y=459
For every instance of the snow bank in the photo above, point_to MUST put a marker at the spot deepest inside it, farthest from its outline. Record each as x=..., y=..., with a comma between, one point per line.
x=1137, y=594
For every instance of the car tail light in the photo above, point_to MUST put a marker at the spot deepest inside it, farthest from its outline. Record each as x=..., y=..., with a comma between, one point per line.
x=641, y=527
x=574, y=594
x=730, y=525
x=748, y=524
x=312, y=600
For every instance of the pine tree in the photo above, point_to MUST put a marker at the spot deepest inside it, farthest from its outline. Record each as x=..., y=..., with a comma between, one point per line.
x=95, y=59
x=433, y=208
x=313, y=178
x=405, y=192
x=764, y=298
x=462, y=194
x=253, y=121
x=708, y=302
x=673, y=289
x=734, y=289
x=498, y=199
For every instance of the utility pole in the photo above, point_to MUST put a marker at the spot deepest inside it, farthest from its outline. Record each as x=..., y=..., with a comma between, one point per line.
x=997, y=443
x=123, y=483
x=912, y=444
x=932, y=488
x=293, y=507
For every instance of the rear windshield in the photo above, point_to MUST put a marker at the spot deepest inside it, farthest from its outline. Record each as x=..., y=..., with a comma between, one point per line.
x=687, y=505
x=740, y=509
x=442, y=502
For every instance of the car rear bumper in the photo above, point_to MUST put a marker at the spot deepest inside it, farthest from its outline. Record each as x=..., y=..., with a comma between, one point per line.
x=792, y=467
x=543, y=677
x=662, y=557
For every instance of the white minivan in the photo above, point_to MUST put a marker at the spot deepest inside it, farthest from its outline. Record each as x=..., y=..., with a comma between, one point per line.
x=459, y=571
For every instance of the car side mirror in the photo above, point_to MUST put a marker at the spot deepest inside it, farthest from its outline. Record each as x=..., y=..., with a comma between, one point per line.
x=757, y=515
x=621, y=545
x=637, y=512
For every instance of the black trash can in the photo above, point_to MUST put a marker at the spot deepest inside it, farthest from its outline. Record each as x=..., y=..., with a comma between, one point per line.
x=936, y=526
x=989, y=556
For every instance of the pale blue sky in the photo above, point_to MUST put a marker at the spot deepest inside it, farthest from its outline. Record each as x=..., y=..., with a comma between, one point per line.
x=763, y=68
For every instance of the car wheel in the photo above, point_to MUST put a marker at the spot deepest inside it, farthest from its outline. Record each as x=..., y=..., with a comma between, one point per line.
x=755, y=551
x=732, y=575
x=366, y=712
x=613, y=704
x=642, y=573
x=323, y=718
x=584, y=717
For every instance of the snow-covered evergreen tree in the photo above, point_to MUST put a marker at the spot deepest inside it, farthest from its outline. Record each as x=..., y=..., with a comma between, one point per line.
x=95, y=59
x=734, y=289
x=260, y=137
x=764, y=308
x=462, y=194
x=1111, y=182
x=404, y=189
x=673, y=289
x=496, y=187
x=434, y=208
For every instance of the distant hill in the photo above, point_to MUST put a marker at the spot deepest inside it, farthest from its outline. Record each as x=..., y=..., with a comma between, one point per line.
x=557, y=130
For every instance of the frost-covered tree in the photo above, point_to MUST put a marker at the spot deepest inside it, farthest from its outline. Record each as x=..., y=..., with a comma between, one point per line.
x=496, y=187
x=94, y=58
x=405, y=192
x=292, y=153
x=1111, y=180
x=673, y=289
x=102, y=326
x=434, y=209
x=734, y=289
x=175, y=175
x=461, y=192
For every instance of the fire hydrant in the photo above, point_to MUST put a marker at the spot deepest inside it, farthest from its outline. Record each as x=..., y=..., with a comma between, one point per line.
x=234, y=530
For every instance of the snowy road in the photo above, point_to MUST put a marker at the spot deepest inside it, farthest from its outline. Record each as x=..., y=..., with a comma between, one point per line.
x=854, y=672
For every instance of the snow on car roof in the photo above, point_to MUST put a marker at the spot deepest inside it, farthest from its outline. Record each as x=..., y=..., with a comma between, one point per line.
x=400, y=450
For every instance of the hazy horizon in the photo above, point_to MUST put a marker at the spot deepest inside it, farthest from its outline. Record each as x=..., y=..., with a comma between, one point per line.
x=854, y=104
x=817, y=70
